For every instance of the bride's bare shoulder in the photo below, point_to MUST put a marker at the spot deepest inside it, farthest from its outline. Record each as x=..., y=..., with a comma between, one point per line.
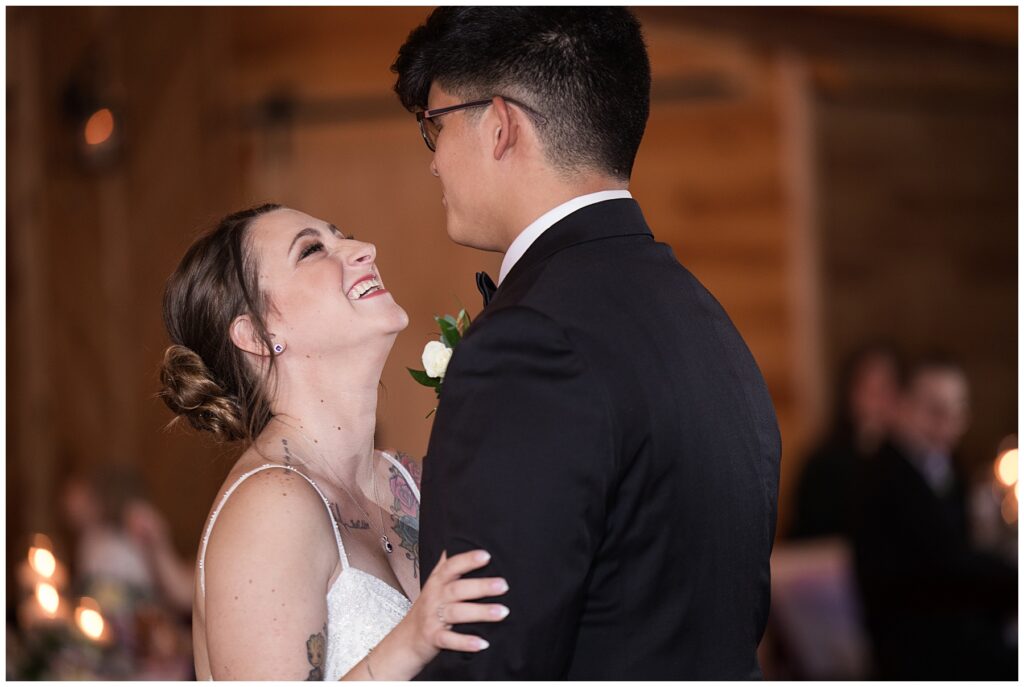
x=271, y=515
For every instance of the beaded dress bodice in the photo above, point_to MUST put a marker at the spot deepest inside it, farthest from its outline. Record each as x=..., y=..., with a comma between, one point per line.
x=361, y=608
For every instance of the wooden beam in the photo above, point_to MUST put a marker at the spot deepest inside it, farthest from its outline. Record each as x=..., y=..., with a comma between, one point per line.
x=838, y=32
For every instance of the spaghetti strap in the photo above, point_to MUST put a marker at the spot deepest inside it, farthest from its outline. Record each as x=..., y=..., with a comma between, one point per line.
x=231, y=489
x=405, y=474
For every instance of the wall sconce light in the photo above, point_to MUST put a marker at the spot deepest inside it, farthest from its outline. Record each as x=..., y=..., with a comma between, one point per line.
x=95, y=120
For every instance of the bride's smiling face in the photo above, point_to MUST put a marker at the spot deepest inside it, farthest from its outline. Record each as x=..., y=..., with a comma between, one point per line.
x=325, y=291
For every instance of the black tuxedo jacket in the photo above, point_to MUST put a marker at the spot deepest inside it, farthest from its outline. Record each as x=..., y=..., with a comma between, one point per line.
x=605, y=433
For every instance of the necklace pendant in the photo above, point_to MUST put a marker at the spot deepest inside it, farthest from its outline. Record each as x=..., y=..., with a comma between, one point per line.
x=387, y=544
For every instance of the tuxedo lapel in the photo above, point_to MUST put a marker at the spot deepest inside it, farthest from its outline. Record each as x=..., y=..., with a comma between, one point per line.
x=605, y=220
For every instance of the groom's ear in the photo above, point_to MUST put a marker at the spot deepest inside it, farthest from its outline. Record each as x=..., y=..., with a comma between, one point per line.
x=244, y=336
x=506, y=129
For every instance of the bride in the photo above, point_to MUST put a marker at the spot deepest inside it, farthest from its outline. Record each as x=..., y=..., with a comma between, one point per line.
x=308, y=565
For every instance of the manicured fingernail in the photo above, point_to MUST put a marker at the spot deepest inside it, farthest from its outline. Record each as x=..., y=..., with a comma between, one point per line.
x=500, y=586
x=500, y=611
x=483, y=556
x=482, y=644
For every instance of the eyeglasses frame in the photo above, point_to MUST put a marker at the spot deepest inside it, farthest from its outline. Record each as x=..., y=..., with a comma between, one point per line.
x=423, y=115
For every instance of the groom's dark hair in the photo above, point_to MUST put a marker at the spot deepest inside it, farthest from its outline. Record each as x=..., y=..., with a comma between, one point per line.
x=585, y=69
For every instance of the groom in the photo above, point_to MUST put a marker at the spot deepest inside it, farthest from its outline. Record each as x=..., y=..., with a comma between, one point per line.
x=603, y=429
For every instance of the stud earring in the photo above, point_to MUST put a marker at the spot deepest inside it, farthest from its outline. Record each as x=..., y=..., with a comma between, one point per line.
x=278, y=348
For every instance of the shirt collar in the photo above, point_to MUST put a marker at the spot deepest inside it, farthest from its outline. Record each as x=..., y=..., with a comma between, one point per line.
x=531, y=233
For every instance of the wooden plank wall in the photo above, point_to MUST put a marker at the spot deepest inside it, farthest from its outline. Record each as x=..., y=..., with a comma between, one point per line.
x=918, y=162
x=106, y=240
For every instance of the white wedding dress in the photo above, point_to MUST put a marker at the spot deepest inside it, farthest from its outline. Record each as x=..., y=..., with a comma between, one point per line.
x=361, y=608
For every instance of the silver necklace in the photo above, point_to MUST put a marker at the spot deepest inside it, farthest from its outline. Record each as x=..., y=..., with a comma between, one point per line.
x=384, y=541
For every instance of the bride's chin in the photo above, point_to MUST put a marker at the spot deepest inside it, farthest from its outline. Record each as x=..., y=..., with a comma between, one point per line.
x=401, y=320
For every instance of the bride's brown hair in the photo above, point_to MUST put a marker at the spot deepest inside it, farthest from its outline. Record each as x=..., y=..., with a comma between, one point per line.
x=205, y=376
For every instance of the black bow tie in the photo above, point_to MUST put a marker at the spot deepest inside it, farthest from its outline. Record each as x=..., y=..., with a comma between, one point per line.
x=486, y=286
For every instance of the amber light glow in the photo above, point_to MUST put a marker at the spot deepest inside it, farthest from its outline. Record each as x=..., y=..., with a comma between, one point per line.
x=48, y=598
x=42, y=561
x=100, y=127
x=89, y=620
x=1009, y=508
x=1006, y=468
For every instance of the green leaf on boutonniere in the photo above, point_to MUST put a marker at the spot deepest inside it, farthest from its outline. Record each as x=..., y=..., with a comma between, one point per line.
x=449, y=331
x=424, y=379
x=462, y=322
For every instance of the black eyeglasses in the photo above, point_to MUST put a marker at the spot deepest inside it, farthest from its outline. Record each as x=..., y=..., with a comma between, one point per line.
x=429, y=130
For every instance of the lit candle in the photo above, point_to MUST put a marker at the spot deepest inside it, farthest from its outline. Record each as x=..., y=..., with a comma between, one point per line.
x=90, y=621
x=48, y=598
x=42, y=565
x=1006, y=467
x=44, y=607
x=42, y=561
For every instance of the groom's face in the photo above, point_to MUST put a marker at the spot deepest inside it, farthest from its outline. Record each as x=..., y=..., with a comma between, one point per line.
x=461, y=165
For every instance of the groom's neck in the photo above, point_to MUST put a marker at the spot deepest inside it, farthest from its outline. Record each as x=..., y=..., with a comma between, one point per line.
x=536, y=195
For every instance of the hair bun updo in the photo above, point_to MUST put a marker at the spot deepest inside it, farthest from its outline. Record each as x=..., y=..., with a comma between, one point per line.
x=205, y=377
x=190, y=391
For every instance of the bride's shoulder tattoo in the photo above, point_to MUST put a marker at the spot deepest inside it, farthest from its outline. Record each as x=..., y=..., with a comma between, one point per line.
x=352, y=524
x=405, y=510
x=414, y=466
x=316, y=654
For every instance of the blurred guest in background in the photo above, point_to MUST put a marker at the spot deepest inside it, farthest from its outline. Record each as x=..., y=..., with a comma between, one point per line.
x=123, y=539
x=864, y=411
x=125, y=560
x=935, y=608
x=172, y=574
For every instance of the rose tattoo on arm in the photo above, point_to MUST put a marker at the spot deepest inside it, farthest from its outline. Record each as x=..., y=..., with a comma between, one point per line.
x=405, y=510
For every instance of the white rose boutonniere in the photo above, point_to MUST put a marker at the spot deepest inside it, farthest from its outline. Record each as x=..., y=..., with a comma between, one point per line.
x=435, y=359
x=437, y=354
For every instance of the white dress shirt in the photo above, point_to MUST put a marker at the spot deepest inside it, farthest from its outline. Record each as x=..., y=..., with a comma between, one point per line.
x=531, y=233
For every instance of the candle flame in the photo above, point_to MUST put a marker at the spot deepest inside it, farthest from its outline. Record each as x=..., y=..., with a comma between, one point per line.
x=1006, y=468
x=42, y=561
x=48, y=598
x=90, y=622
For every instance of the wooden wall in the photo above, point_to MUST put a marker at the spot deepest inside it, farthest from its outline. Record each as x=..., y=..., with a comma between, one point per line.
x=89, y=250
x=918, y=166
x=748, y=170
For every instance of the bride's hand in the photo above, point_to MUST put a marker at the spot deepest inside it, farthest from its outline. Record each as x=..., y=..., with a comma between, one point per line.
x=445, y=601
